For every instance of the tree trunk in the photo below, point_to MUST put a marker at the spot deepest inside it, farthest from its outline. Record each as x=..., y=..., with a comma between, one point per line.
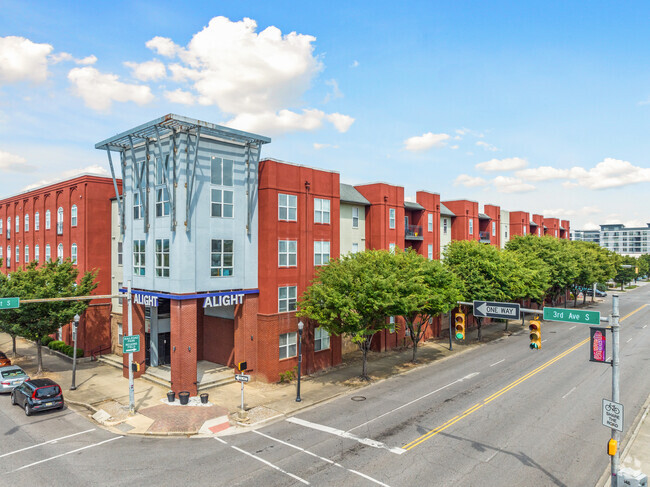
x=415, y=349
x=13, y=345
x=575, y=298
x=584, y=298
x=39, y=356
x=364, y=374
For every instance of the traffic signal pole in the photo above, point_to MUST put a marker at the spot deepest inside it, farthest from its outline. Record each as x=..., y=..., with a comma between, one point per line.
x=616, y=435
x=129, y=298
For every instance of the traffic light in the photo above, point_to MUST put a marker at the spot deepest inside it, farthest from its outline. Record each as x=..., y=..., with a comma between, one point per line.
x=460, y=326
x=242, y=366
x=535, y=327
x=135, y=367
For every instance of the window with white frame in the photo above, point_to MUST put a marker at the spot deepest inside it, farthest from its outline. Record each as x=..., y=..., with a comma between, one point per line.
x=0, y=225
x=8, y=255
x=471, y=226
x=524, y=229
x=120, y=253
x=59, y=216
x=73, y=216
x=321, y=210
x=391, y=248
x=48, y=253
x=161, y=172
x=27, y=222
x=17, y=223
x=539, y=232
x=221, y=171
x=37, y=255
x=288, y=345
x=430, y=221
x=556, y=233
x=162, y=201
x=162, y=257
x=59, y=252
x=287, y=207
x=120, y=334
x=48, y=219
x=9, y=227
x=355, y=247
x=26, y=254
x=287, y=253
x=321, y=339
x=37, y=221
x=287, y=298
x=17, y=252
x=430, y=251
x=73, y=253
x=221, y=258
x=222, y=203
x=494, y=229
x=355, y=217
x=0, y=252
x=138, y=258
x=137, y=206
x=391, y=327
x=321, y=252
x=391, y=218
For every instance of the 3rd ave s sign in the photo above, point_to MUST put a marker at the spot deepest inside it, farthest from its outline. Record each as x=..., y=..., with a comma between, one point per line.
x=489, y=309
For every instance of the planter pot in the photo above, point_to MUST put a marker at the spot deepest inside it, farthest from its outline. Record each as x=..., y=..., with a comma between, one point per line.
x=171, y=396
x=184, y=397
x=204, y=398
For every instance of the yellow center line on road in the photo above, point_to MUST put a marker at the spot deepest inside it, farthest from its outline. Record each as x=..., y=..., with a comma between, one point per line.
x=500, y=392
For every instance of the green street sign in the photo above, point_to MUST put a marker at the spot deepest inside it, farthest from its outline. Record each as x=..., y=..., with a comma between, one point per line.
x=572, y=315
x=8, y=303
x=131, y=343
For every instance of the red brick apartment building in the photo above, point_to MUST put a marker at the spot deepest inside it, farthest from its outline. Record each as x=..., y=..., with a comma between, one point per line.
x=465, y=226
x=69, y=219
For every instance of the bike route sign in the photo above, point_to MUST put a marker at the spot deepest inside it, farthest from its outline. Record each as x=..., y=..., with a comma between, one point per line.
x=612, y=415
x=488, y=309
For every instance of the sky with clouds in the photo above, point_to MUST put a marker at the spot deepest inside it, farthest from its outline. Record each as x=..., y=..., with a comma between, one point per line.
x=534, y=106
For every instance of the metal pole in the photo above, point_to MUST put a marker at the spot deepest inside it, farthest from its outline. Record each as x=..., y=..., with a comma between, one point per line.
x=300, y=325
x=130, y=314
x=73, y=387
x=242, y=397
x=616, y=435
x=450, y=327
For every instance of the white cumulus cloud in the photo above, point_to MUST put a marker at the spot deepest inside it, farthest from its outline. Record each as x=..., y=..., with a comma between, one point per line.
x=426, y=141
x=23, y=60
x=163, y=46
x=100, y=90
x=180, y=96
x=568, y=212
x=93, y=169
x=486, y=146
x=318, y=146
x=13, y=163
x=148, y=70
x=505, y=184
x=507, y=164
x=280, y=122
x=470, y=181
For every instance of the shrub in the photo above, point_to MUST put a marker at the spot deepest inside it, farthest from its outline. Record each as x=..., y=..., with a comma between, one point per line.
x=55, y=344
x=80, y=352
x=46, y=340
x=289, y=375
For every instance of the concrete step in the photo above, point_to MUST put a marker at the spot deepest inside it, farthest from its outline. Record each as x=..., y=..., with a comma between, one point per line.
x=112, y=360
x=221, y=381
x=156, y=380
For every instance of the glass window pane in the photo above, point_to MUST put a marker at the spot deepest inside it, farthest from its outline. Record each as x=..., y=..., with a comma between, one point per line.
x=282, y=200
x=293, y=245
x=282, y=292
x=292, y=200
x=227, y=245
x=215, y=173
x=292, y=260
x=283, y=339
x=228, y=196
x=292, y=292
x=227, y=172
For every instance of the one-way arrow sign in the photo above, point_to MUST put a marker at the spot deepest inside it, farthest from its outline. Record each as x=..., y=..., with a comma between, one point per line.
x=488, y=309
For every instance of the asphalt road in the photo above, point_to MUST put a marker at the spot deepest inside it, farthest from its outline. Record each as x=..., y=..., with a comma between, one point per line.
x=501, y=414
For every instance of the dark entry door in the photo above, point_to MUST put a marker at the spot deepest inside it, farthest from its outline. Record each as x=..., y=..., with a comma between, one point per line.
x=147, y=349
x=164, y=348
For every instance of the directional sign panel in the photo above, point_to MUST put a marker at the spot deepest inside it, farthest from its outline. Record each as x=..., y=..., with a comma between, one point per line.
x=8, y=303
x=131, y=343
x=613, y=415
x=242, y=377
x=572, y=315
x=488, y=309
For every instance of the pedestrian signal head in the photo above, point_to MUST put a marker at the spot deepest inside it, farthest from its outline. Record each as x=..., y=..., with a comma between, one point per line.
x=612, y=446
x=535, y=327
x=459, y=318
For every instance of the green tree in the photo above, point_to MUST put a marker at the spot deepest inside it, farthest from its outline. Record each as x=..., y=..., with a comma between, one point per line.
x=625, y=274
x=425, y=288
x=53, y=279
x=8, y=316
x=353, y=295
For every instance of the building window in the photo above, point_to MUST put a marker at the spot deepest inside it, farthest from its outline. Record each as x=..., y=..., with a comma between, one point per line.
x=221, y=171
x=73, y=253
x=287, y=298
x=539, y=232
x=391, y=218
x=17, y=223
x=162, y=257
x=355, y=247
x=26, y=254
x=444, y=226
x=138, y=257
x=137, y=206
x=506, y=234
x=287, y=207
x=222, y=203
x=0, y=225
x=556, y=233
x=287, y=253
x=162, y=202
x=161, y=173
x=391, y=327
x=48, y=220
x=471, y=226
x=8, y=255
x=321, y=211
x=321, y=252
x=494, y=229
x=321, y=339
x=0, y=252
x=37, y=221
x=430, y=251
x=73, y=216
x=524, y=230
x=9, y=227
x=17, y=254
x=48, y=253
x=37, y=252
x=391, y=248
x=430, y=221
x=355, y=217
x=59, y=252
x=221, y=258
x=59, y=220
x=288, y=343
x=120, y=334
x=120, y=254
x=27, y=223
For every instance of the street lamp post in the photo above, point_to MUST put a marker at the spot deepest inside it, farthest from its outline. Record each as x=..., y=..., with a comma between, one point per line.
x=301, y=325
x=74, y=351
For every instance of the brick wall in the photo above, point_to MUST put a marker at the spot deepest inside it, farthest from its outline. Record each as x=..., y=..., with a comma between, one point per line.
x=184, y=354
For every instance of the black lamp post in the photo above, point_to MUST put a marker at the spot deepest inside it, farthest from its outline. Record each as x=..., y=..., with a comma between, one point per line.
x=74, y=351
x=301, y=325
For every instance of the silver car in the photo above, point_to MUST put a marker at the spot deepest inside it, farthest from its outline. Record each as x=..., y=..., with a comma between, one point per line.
x=11, y=376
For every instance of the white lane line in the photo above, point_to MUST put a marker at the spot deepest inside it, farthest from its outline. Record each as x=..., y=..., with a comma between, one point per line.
x=573, y=327
x=345, y=434
x=543, y=341
x=367, y=477
x=469, y=376
x=644, y=326
x=568, y=393
x=497, y=363
x=270, y=465
x=628, y=341
x=46, y=442
x=67, y=453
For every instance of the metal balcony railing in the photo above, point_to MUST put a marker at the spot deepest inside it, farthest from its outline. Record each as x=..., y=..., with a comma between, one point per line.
x=59, y=228
x=413, y=232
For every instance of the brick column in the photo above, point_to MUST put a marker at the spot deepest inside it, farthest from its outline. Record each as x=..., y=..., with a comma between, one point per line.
x=138, y=329
x=184, y=345
x=246, y=338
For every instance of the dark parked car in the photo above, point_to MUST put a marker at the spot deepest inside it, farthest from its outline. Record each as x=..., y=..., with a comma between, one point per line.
x=11, y=377
x=4, y=360
x=599, y=293
x=37, y=395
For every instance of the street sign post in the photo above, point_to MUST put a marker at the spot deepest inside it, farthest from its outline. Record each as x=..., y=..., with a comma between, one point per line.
x=489, y=309
x=9, y=303
x=613, y=415
x=572, y=315
x=241, y=378
x=131, y=344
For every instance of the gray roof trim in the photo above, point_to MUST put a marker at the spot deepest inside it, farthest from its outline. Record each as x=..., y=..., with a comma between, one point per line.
x=483, y=216
x=411, y=205
x=349, y=194
x=533, y=223
x=446, y=211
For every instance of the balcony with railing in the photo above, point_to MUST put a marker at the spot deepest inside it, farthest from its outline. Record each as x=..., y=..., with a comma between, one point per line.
x=59, y=228
x=413, y=232
x=484, y=237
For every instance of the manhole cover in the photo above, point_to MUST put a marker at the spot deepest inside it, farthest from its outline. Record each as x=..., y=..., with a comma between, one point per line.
x=358, y=398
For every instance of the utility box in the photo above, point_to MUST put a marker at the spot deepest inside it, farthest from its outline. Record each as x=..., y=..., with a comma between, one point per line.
x=628, y=477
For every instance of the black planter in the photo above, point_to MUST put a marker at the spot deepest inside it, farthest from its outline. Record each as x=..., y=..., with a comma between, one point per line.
x=184, y=397
x=204, y=398
x=171, y=396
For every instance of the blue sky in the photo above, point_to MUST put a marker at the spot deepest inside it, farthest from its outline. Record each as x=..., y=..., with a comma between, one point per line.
x=535, y=106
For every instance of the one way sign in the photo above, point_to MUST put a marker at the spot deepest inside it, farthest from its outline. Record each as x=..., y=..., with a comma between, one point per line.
x=488, y=309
